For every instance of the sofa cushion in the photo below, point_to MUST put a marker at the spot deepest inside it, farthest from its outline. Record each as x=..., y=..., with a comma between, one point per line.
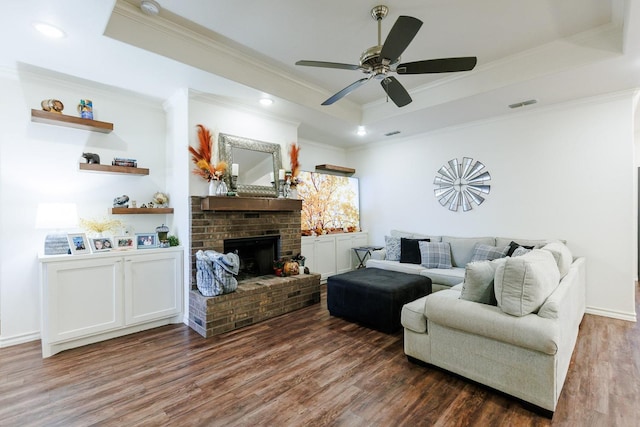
x=536, y=243
x=410, y=251
x=532, y=331
x=392, y=245
x=478, y=281
x=522, y=284
x=561, y=254
x=412, y=316
x=482, y=252
x=411, y=235
x=384, y=264
x=435, y=254
x=444, y=276
x=462, y=248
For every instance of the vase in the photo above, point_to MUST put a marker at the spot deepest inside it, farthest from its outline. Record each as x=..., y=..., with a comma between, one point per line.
x=293, y=193
x=222, y=189
x=213, y=187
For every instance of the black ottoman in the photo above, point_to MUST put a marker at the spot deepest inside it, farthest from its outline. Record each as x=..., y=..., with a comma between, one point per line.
x=374, y=297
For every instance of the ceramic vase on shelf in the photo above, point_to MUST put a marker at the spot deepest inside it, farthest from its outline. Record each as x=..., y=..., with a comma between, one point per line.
x=213, y=187
x=293, y=193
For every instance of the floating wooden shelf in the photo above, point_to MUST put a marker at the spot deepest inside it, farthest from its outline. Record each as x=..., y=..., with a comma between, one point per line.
x=92, y=167
x=58, y=119
x=250, y=204
x=333, y=168
x=140, y=211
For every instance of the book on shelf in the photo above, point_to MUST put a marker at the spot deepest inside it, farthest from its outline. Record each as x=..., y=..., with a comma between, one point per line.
x=121, y=161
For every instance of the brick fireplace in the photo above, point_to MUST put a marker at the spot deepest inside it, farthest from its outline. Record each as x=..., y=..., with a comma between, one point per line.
x=216, y=219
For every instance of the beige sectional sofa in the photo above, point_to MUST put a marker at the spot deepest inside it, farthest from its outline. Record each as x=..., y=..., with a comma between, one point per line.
x=512, y=323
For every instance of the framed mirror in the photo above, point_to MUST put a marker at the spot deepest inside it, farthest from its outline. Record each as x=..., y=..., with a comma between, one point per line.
x=258, y=164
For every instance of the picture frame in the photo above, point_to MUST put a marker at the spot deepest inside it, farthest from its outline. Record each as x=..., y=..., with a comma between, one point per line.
x=101, y=244
x=146, y=240
x=78, y=243
x=124, y=242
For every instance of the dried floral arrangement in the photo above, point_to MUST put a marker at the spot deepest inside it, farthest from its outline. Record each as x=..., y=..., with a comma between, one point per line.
x=294, y=151
x=202, y=157
x=100, y=225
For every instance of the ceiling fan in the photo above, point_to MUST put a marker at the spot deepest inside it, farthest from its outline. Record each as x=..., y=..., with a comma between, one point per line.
x=380, y=60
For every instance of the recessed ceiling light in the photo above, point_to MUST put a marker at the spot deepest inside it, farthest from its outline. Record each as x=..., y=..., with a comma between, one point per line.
x=150, y=7
x=49, y=30
x=362, y=131
x=266, y=101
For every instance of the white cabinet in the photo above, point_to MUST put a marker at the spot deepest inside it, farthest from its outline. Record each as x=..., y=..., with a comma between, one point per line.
x=331, y=254
x=90, y=298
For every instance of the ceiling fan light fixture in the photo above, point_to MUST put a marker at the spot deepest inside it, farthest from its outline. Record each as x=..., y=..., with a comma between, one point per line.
x=150, y=7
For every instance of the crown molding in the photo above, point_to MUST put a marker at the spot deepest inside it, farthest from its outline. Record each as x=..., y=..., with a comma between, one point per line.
x=174, y=37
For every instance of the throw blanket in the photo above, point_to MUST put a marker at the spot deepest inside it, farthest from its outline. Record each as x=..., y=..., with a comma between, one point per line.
x=215, y=272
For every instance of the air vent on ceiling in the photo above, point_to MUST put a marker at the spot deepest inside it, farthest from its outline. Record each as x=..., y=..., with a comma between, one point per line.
x=394, y=132
x=523, y=103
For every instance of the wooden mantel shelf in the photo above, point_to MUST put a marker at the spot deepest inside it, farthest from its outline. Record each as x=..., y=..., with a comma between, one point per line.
x=250, y=204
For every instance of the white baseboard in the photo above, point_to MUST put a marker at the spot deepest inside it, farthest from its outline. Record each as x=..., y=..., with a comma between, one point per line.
x=19, y=339
x=630, y=317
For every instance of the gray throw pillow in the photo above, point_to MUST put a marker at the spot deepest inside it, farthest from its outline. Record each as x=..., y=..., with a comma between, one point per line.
x=482, y=252
x=435, y=254
x=392, y=245
x=478, y=281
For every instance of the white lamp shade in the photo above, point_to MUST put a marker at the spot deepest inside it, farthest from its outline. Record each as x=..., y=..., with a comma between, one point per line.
x=56, y=216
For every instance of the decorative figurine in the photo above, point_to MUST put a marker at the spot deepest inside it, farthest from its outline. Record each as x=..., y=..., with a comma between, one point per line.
x=92, y=158
x=121, y=202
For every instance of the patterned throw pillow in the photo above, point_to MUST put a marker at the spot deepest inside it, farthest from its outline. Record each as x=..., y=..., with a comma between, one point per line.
x=392, y=245
x=482, y=252
x=435, y=254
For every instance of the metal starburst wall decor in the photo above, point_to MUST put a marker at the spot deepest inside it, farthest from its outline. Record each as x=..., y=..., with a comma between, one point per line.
x=461, y=184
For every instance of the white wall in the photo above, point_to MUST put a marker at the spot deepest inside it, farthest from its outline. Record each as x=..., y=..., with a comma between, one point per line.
x=39, y=163
x=562, y=172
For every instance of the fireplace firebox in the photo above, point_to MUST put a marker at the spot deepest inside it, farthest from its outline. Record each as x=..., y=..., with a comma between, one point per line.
x=256, y=254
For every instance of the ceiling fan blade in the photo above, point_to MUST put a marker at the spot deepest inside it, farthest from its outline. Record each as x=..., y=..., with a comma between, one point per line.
x=347, y=90
x=442, y=65
x=401, y=34
x=324, y=64
x=396, y=91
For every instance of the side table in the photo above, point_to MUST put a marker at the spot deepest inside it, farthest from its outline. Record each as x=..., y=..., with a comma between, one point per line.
x=362, y=252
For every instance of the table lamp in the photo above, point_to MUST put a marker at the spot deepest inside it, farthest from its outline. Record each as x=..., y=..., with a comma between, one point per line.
x=58, y=217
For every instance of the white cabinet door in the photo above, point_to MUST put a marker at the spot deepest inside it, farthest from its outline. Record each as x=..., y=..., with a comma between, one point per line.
x=81, y=298
x=325, y=256
x=307, y=248
x=152, y=286
x=346, y=259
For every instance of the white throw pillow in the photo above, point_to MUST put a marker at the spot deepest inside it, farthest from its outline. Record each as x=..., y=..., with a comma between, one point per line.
x=561, y=254
x=522, y=284
x=478, y=281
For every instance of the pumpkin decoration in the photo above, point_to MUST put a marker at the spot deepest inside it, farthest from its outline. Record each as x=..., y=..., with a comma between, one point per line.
x=291, y=268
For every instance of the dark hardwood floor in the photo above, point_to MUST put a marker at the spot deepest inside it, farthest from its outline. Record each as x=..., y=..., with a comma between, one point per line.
x=301, y=369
